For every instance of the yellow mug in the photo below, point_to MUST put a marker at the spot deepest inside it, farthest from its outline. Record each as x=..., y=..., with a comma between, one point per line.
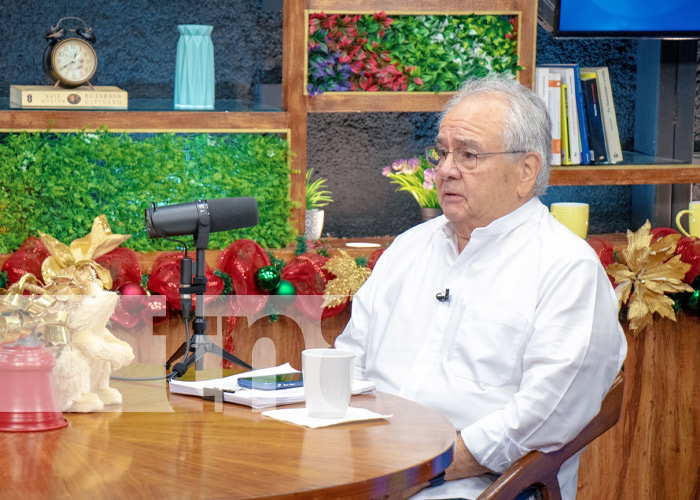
x=693, y=219
x=573, y=215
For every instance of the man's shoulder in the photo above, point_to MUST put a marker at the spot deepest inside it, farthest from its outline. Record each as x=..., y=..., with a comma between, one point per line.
x=561, y=244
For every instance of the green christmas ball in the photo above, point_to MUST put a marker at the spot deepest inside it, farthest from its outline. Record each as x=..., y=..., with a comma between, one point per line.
x=285, y=288
x=268, y=278
x=694, y=299
x=283, y=296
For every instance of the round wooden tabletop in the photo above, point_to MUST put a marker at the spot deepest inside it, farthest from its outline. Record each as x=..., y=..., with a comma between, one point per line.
x=172, y=446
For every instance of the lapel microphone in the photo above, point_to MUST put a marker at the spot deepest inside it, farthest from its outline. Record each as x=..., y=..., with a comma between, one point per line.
x=443, y=297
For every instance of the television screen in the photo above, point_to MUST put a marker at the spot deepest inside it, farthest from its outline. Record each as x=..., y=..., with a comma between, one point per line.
x=626, y=18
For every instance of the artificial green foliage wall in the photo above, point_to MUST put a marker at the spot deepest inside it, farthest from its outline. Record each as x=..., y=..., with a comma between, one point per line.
x=407, y=52
x=450, y=49
x=58, y=183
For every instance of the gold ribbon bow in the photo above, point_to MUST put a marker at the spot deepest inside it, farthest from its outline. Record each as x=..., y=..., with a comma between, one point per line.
x=27, y=308
x=72, y=269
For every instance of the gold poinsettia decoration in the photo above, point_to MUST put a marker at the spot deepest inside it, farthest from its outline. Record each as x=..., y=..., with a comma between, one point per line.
x=349, y=278
x=646, y=273
x=74, y=264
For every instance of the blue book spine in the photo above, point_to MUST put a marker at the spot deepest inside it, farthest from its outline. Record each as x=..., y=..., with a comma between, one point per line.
x=583, y=128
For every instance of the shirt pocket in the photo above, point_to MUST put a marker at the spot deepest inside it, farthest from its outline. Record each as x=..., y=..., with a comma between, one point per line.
x=486, y=345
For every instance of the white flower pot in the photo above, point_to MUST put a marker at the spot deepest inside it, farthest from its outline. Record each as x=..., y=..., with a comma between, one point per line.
x=314, y=223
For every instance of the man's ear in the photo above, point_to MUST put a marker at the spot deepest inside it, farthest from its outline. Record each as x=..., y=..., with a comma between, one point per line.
x=530, y=167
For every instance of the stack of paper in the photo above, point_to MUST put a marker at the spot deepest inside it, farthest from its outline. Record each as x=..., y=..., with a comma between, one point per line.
x=231, y=392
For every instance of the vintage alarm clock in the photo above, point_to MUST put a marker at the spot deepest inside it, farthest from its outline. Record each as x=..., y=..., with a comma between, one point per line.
x=70, y=61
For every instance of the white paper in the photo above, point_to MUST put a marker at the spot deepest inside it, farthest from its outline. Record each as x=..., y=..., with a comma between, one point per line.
x=300, y=416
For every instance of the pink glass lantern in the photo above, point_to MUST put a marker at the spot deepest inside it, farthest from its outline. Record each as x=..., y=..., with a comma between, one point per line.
x=28, y=400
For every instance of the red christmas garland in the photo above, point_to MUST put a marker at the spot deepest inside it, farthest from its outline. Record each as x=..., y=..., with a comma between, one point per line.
x=241, y=260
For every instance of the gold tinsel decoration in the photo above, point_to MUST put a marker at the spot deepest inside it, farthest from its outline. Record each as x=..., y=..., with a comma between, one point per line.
x=349, y=278
x=646, y=273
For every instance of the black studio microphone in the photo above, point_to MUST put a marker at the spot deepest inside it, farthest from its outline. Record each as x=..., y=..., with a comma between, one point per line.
x=221, y=214
x=443, y=297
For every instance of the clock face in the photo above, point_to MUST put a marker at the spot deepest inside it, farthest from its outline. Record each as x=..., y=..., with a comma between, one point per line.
x=74, y=61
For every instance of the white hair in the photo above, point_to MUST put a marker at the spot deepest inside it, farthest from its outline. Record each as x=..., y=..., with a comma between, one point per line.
x=526, y=125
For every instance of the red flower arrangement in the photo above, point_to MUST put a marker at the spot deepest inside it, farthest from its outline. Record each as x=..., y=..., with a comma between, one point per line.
x=345, y=54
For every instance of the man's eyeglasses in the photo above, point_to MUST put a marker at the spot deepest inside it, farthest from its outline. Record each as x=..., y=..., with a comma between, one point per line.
x=464, y=158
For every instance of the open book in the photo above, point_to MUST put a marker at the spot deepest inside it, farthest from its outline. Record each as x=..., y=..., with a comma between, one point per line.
x=227, y=389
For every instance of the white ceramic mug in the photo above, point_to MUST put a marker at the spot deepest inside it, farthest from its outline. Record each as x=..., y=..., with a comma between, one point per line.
x=573, y=215
x=328, y=375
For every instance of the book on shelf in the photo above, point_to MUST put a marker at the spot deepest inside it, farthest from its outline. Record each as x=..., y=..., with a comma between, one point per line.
x=569, y=78
x=548, y=87
x=554, y=107
x=564, y=102
x=227, y=390
x=541, y=78
x=85, y=97
x=607, y=111
x=596, y=135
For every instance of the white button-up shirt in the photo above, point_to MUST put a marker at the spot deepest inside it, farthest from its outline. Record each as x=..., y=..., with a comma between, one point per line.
x=521, y=354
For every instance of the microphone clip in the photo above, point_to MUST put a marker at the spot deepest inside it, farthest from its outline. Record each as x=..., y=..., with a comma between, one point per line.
x=443, y=297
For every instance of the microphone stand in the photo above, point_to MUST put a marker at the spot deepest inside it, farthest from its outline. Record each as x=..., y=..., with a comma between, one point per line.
x=199, y=345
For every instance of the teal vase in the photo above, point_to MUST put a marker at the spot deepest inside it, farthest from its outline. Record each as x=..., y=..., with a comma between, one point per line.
x=194, y=68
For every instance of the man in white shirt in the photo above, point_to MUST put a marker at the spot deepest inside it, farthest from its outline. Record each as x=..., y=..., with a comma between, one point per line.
x=494, y=314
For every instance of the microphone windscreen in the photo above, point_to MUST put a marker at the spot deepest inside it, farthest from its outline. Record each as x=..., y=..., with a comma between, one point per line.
x=232, y=213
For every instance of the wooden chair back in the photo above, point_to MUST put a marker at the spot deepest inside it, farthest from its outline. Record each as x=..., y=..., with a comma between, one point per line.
x=539, y=470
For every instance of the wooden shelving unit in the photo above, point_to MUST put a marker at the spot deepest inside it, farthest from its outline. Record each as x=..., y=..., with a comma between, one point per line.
x=636, y=169
x=291, y=121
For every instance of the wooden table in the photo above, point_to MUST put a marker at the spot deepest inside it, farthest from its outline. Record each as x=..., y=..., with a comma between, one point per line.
x=185, y=447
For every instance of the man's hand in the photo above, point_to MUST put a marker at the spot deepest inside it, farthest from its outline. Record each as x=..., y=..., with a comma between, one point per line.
x=464, y=463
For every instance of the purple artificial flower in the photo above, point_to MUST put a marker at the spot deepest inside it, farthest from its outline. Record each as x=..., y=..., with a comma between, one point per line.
x=412, y=165
x=429, y=175
x=386, y=171
x=398, y=165
x=314, y=91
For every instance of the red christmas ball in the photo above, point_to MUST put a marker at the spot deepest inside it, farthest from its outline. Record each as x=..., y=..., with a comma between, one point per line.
x=131, y=296
x=131, y=289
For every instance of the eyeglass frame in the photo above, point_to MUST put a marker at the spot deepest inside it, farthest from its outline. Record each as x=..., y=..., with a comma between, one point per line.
x=469, y=150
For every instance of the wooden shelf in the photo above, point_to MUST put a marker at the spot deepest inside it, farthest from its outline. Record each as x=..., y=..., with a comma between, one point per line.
x=636, y=169
x=143, y=121
x=367, y=102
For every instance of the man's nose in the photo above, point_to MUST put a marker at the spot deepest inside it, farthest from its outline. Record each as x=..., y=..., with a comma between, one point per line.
x=449, y=167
